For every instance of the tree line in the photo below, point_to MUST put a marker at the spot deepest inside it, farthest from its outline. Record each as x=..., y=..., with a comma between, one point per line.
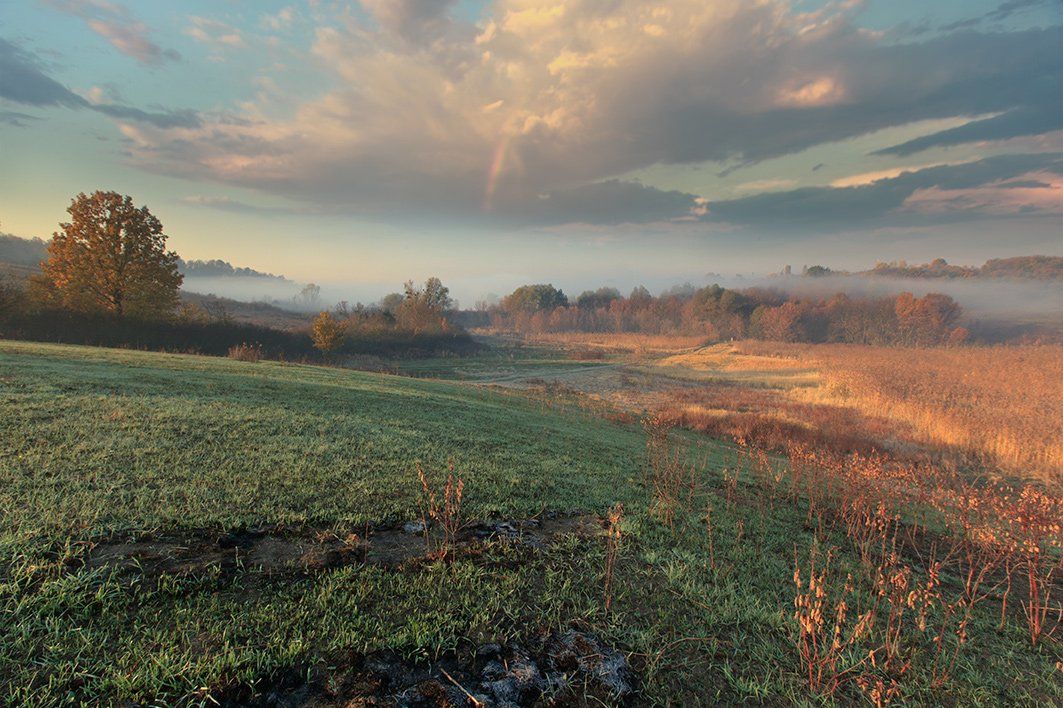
x=722, y=313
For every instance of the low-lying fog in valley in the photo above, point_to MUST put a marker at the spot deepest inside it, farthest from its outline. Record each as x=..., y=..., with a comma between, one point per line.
x=990, y=298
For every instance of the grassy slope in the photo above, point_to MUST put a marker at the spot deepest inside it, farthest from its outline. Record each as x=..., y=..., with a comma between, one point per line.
x=98, y=441
x=139, y=440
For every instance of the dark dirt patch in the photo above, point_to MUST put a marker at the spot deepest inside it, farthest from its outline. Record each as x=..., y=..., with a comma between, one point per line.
x=277, y=550
x=570, y=668
x=269, y=550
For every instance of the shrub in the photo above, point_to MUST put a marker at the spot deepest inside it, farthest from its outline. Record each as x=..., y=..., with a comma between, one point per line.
x=327, y=332
x=246, y=352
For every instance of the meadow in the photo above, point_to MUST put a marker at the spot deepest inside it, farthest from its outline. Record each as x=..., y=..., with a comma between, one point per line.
x=719, y=572
x=989, y=409
x=1001, y=406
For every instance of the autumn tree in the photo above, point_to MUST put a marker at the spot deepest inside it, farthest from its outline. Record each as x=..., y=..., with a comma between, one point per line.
x=327, y=332
x=424, y=309
x=927, y=320
x=111, y=257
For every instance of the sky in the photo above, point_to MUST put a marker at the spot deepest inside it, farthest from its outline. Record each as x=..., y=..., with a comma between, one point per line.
x=584, y=142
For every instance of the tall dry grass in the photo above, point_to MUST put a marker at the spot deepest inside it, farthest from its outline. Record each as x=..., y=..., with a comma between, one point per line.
x=999, y=405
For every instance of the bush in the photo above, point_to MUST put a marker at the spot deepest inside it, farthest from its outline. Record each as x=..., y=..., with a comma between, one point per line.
x=246, y=352
x=327, y=332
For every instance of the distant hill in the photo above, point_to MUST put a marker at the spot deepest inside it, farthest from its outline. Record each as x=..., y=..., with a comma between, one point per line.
x=18, y=254
x=222, y=269
x=17, y=251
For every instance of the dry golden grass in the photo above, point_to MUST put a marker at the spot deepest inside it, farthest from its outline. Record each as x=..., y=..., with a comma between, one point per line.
x=725, y=357
x=1001, y=405
x=995, y=408
x=771, y=419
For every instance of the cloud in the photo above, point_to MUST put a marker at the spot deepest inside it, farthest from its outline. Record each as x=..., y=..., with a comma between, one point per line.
x=16, y=119
x=235, y=206
x=981, y=186
x=878, y=175
x=214, y=32
x=1016, y=123
x=170, y=119
x=430, y=113
x=824, y=91
x=766, y=185
x=609, y=202
x=23, y=81
x=412, y=19
x=1032, y=197
x=115, y=23
x=1014, y=7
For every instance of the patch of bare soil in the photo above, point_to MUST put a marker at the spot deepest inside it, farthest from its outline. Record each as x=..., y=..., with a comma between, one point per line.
x=569, y=668
x=278, y=550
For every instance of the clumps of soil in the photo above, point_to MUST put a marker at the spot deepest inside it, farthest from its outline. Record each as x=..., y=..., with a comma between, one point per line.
x=278, y=550
x=566, y=668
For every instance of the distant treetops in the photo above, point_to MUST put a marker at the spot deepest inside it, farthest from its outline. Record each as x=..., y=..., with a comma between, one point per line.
x=110, y=258
x=721, y=313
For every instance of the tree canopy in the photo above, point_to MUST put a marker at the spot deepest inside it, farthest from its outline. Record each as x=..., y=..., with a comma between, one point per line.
x=601, y=297
x=111, y=257
x=534, y=298
x=424, y=309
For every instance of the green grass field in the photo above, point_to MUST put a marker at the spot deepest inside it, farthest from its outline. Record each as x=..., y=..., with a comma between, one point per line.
x=98, y=445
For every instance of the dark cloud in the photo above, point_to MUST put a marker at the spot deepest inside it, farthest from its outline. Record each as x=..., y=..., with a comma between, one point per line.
x=954, y=75
x=1002, y=12
x=23, y=81
x=609, y=202
x=1018, y=122
x=169, y=119
x=844, y=207
x=1013, y=7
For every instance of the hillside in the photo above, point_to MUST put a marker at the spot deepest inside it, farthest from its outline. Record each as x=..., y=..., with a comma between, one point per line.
x=23, y=252
x=29, y=252
x=184, y=529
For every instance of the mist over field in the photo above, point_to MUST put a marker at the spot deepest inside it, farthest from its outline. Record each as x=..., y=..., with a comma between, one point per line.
x=245, y=288
x=993, y=298
x=996, y=297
